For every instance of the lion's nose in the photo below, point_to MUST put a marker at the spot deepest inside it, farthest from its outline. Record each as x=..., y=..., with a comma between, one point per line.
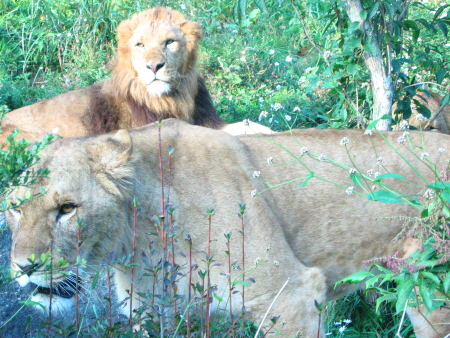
x=155, y=66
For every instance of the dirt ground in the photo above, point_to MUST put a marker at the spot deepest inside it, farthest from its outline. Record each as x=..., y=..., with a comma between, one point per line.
x=14, y=321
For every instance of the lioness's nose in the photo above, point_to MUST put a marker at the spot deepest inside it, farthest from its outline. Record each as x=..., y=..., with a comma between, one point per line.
x=155, y=66
x=28, y=269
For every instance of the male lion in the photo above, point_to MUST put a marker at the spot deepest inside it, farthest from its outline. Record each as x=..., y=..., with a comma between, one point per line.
x=154, y=76
x=317, y=233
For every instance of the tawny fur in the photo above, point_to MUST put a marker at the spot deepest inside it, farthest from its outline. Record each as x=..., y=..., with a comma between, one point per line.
x=317, y=233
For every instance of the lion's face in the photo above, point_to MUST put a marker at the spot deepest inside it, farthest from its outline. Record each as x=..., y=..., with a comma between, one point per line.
x=159, y=46
x=54, y=234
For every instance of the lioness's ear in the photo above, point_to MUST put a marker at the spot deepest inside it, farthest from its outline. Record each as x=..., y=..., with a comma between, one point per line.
x=110, y=162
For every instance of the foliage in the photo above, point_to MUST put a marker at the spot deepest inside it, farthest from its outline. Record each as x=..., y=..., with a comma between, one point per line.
x=286, y=64
x=16, y=166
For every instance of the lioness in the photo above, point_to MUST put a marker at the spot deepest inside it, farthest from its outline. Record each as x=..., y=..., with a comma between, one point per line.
x=317, y=232
x=154, y=76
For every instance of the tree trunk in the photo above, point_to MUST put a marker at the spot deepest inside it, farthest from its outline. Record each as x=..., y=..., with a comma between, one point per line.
x=382, y=86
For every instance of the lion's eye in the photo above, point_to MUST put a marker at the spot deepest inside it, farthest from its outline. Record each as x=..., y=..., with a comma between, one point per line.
x=169, y=42
x=139, y=44
x=66, y=208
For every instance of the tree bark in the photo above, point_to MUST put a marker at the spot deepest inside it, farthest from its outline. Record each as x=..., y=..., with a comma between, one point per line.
x=382, y=86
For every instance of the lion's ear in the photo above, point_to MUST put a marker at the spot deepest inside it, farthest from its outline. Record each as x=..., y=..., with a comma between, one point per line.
x=110, y=162
x=193, y=32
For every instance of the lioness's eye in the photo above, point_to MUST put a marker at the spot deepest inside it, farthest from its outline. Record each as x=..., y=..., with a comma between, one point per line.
x=139, y=44
x=66, y=208
x=16, y=210
x=170, y=41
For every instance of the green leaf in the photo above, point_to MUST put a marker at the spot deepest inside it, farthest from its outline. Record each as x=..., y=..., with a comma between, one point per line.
x=355, y=278
x=439, y=185
x=427, y=293
x=446, y=283
x=240, y=282
x=389, y=175
x=373, y=11
x=350, y=44
x=390, y=298
x=32, y=303
x=404, y=290
x=439, y=11
x=440, y=75
x=384, y=196
x=356, y=179
x=445, y=100
x=216, y=296
x=262, y=5
x=431, y=276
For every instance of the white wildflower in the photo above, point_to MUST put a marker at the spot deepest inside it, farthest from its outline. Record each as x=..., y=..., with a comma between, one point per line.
x=420, y=118
x=321, y=157
x=326, y=54
x=441, y=150
x=429, y=194
x=403, y=125
x=405, y=134
x=69, y=34
x=381, y=161
x=257, y=261
x=246, y=122
x=272, y=51
x=352, y=171
x=243, y=59
x=350, y=190
x=370, y=172
x=270, y=160
x=424, y=155
x=368, y=132
x=277, y=106
x=347, y=321
x=277, y=64
x=256, y=174
x=287, y=117
x=344, y=141
x=263, y=114
x=296, y=108
x=308, y=70
x=374, y=187
x=253, y=193
x=401, y=140
x=304, y=151
x=342, y=328
x=288, y=58
x=276, y=263
x=278, y=87
x=183, y=7
x=261, y=99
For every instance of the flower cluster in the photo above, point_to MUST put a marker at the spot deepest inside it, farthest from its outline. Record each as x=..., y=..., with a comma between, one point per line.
x=344, y=141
